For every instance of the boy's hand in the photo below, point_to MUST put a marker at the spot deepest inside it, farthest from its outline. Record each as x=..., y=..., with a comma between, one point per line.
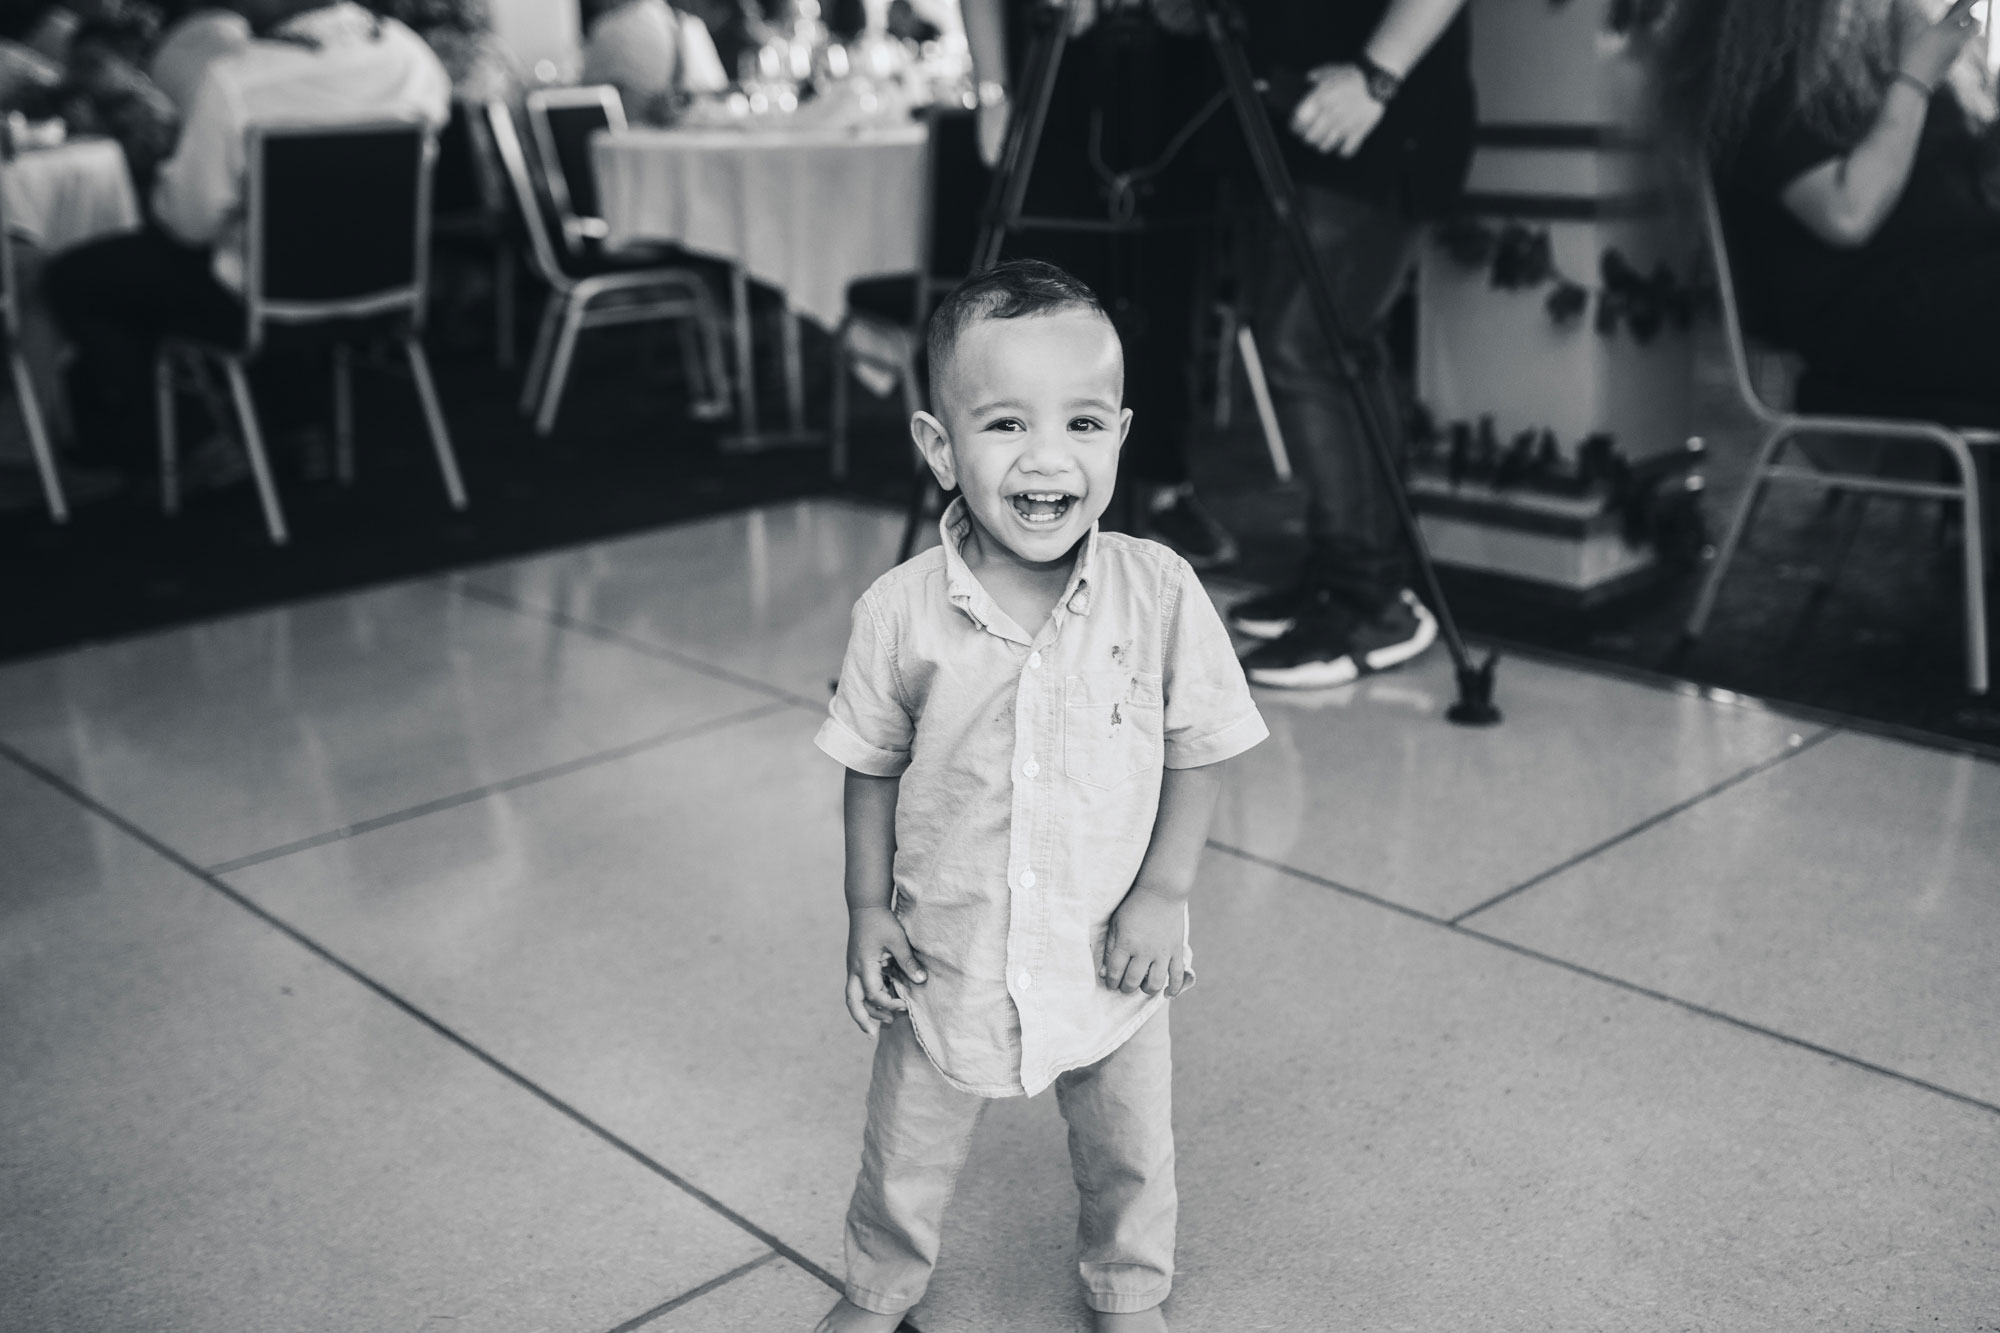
x=875, y=940
x=1142, y=950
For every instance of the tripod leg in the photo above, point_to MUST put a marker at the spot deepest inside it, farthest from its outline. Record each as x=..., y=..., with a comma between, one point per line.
x=1024, y=138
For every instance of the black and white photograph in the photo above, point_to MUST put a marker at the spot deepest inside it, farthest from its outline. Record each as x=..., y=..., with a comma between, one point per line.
x=999, y=666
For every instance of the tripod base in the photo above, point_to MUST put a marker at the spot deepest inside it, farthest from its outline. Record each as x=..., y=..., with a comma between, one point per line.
x=1475, y=706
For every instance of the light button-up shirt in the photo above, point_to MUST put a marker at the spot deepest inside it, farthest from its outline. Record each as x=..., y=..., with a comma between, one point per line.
x=1030, y=771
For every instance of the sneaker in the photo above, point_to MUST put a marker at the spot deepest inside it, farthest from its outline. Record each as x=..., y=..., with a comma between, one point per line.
x=1332, y=644
x=1269, y=615
x=1180, y=521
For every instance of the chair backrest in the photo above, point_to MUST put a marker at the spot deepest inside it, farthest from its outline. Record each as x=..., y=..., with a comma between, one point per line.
x=958, y=183
x=339, y=221
x=1747, y=387
x=528, y=201
x=563, y=121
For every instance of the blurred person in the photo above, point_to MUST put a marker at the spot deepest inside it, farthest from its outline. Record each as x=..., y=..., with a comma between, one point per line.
x=196, y=36
x=461, y=33
x=1373, y=104
x=1033, y=717
x=117, y=298
x=652, y=53
x=107, y=92
x=1134, y=74
x=1853, y=147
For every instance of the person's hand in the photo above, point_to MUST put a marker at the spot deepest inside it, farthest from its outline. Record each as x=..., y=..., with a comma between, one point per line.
x=875, y=939
x=1925, y=50
x=991, y=125
x=1142, y=950
x=1338, y=115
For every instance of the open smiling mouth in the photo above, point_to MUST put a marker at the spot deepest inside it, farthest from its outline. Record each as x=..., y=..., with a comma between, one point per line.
x=1042, y=508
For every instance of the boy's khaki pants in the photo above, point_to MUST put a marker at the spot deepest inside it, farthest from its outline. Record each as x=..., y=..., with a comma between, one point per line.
x=1121, y=1148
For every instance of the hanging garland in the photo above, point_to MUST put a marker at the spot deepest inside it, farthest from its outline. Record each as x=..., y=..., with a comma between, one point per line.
x=1517, y=257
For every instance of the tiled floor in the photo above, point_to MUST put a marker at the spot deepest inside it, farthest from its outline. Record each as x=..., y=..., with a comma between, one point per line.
x=466, y=955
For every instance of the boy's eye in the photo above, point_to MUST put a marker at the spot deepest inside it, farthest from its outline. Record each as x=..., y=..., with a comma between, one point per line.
x=1004, y=423
x=1081, y=424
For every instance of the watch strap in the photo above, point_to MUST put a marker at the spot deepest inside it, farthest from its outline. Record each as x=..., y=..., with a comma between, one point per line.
x=1382, y=85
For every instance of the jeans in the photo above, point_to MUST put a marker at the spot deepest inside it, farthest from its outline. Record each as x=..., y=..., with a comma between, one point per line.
x=1121, y=1147
x=1356, y=546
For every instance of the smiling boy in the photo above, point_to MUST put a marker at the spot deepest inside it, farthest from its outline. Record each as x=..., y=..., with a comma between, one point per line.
x=1032, y=717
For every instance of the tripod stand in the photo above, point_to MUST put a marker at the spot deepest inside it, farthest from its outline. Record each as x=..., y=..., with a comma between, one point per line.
x=1222, y=25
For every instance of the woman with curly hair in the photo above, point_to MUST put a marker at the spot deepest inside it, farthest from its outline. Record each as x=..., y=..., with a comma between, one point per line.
x=1854, y=156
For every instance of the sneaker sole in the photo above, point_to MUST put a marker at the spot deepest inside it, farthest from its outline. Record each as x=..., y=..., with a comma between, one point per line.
x=1343, y=670
x=1307, y=675
x=1398, y=653
x=1262, y=629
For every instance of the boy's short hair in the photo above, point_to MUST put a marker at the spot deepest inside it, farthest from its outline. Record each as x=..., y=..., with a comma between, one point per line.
x=1013, y=290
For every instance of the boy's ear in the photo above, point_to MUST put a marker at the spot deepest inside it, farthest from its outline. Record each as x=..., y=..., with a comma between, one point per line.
x=1124, y=425
x=934, y=443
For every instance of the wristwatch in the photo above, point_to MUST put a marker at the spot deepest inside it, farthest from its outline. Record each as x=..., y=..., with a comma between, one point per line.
x=1382, y=85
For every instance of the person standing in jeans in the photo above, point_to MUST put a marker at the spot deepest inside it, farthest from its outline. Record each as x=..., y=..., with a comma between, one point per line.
x=1374, y=107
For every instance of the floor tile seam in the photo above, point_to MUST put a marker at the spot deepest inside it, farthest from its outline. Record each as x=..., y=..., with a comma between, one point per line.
x=1605, y=978
x=605, y=634
x=1687, y=687
x=412, y=1011
x=644, y=1318
x=534, y=777
x=1651, y=822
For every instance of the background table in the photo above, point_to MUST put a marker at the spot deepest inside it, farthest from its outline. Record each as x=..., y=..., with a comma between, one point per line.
x=807, y=211
x=55, y=198
x=52, y=199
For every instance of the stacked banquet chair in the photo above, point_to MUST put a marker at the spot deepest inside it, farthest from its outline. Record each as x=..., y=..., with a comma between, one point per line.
x=1858, y=414
x=338, y=232
x=590, y=287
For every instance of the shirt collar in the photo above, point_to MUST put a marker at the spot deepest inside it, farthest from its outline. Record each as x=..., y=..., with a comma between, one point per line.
x=965, y=591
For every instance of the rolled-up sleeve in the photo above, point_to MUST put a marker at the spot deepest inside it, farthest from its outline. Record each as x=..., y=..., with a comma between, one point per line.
x=1209, y=713
x=868, y=728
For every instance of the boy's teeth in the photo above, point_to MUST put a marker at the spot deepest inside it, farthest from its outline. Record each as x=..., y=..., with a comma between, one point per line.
x=1041, y=506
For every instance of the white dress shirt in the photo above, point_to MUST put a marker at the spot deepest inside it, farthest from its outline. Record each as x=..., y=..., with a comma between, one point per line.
x=190, y=46
x=334, y=65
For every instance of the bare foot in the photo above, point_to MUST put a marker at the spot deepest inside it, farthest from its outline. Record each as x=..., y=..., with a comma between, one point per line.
x=847, y=1317
x=1140, y=1321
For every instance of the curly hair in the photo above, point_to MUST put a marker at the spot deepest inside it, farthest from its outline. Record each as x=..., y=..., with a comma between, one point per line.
x=1717, y=60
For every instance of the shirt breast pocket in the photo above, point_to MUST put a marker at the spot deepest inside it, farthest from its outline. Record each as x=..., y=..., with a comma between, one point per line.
x=1111, y=726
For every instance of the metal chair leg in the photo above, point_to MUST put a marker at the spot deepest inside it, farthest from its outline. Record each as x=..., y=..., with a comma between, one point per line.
x=1704, y=606
x=169, y=429
x=837, y=424
x=504, y=304
x=538, y=360
x=565, y=353
x=38, y=437
x=253, y=443
x=1260, y=393
x=343, y=413
x=1974, y=549
x=420, y=371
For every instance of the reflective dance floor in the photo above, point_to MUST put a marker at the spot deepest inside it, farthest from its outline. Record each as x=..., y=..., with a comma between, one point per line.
x=465, y=954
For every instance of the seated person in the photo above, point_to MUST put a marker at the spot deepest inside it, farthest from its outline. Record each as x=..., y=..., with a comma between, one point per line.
x=182, y=276
x=653, y=54
x=1853, y=165
x=106, y=91
x=461, y=33
x=201, y=34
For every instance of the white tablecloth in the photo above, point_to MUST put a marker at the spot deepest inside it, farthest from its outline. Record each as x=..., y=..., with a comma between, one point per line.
x=806, y=211
x=63, y=196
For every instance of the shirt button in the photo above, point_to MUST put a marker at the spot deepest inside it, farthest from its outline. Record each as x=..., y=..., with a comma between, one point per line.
x=1027, y=879
x=1034, y=661
x=1031, y=768
x=1024, y=981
